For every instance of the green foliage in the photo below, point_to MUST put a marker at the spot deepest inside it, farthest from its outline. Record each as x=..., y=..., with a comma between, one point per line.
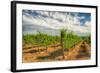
x=41, y=39
x=63, y=32
x=71, y=39
x=88, y=39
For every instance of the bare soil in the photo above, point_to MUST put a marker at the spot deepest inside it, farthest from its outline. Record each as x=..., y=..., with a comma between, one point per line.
x=80, y=51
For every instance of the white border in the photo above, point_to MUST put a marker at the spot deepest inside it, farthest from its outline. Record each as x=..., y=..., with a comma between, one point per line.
x=35, y=65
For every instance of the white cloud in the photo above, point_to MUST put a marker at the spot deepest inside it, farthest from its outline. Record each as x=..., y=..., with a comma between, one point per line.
x=37, y=21
x=67, y=21
x=42, y=13
x=87, y=23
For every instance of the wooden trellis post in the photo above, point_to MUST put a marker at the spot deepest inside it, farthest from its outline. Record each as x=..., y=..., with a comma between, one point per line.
x=62, y=42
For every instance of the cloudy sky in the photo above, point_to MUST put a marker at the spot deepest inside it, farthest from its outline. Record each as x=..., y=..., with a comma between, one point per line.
x=79, y=23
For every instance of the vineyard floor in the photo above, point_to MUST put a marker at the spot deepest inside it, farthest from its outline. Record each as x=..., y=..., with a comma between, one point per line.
x=81, y=51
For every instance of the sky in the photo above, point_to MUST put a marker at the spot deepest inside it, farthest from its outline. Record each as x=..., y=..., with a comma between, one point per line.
x=77, y=22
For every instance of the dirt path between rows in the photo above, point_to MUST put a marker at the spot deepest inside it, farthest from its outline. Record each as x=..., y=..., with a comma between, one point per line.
x=81, y=51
